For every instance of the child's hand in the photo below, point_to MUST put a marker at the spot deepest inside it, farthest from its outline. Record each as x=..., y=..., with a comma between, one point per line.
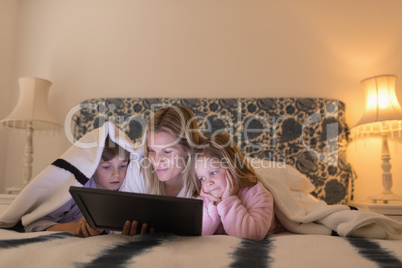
x=231, y=186
x=84, y=230
x=210, y=197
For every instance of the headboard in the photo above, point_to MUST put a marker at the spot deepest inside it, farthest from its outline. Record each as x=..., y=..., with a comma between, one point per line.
x=309, y=134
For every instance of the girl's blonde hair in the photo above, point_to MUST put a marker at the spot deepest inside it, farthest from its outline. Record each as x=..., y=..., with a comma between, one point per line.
x=180, y=122
x=221, y=149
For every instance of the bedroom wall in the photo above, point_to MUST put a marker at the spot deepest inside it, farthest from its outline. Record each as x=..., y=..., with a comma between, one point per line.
x=8, y=20
x=209, y=48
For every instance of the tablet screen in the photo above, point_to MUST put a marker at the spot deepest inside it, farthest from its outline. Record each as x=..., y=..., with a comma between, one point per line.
x=105, y=209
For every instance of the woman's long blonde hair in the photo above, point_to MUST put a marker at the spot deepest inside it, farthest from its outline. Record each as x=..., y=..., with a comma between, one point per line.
x=180, y=122
x=221, y=149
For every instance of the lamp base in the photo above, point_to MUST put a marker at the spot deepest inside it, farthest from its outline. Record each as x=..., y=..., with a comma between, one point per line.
x=385, y=198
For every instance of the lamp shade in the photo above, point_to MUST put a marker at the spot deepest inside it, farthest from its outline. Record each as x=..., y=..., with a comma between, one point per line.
x=32, y=106
x=382, y=115
x=381, y=101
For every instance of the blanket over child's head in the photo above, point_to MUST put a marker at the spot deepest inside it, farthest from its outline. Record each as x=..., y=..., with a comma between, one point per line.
x=49, y=190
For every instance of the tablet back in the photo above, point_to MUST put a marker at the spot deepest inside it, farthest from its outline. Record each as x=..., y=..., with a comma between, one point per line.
x=105, y=209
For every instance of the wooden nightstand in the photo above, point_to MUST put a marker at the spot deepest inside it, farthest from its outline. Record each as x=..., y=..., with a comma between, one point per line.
x=5, y=201
x=392, y=210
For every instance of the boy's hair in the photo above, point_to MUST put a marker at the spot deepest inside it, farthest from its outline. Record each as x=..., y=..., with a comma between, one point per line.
x=111, y=150
x=181, y=123
x=221, y=149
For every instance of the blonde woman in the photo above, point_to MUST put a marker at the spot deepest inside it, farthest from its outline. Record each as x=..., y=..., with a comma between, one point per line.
x=169, y=140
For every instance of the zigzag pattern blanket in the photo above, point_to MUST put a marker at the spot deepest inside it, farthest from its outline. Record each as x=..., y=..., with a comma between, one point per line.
x=54, y=249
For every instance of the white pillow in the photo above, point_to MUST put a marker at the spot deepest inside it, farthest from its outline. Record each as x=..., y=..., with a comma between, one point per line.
x=293, y=179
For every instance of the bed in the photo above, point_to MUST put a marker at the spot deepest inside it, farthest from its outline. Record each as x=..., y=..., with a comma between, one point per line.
x=308, y=135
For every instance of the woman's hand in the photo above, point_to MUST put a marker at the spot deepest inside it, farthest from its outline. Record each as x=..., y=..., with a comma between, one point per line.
x=232, y=187
x=84, y=230
x=130, y=228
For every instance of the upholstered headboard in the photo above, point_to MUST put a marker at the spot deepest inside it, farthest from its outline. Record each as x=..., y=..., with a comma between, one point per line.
x=307, y=133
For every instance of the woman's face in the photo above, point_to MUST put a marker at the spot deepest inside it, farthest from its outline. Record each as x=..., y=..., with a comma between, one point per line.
x=167, y=156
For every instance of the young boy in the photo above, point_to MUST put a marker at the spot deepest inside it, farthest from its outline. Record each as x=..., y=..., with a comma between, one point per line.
x=109, y=175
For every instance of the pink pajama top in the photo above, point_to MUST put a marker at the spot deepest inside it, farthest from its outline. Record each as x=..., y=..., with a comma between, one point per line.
x=249, y=214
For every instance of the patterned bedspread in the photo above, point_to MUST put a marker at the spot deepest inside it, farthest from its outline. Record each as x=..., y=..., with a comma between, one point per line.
x=55, y=249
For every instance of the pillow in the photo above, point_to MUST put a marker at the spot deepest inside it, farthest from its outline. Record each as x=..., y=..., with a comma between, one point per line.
x=293, y=179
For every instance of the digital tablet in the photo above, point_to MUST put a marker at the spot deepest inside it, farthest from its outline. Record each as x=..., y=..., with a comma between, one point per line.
x=106, y=209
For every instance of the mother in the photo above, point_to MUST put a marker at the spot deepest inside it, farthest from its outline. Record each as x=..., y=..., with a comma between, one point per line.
x=169, y=139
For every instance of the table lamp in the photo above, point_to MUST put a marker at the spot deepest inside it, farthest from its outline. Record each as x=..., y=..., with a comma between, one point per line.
x=382, y=116
x=32, y=112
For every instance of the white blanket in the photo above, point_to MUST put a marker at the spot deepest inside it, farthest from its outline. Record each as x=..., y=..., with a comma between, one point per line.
x=50, y=249
x=299, y=212
x=49, y=190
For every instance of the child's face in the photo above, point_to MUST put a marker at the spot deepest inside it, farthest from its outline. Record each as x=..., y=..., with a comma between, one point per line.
x=212, y=176
x=167, y=156
x=109, y=175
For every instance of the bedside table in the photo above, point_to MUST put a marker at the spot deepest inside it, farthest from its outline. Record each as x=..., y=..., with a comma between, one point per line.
x=393, y=210
x=6, y=200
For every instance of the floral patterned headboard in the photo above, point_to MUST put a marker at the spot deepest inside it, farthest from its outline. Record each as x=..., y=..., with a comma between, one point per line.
x=308, y=133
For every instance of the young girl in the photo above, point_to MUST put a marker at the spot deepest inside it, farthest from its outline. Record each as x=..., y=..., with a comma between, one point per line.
x=235, y=203
x=109, y=175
